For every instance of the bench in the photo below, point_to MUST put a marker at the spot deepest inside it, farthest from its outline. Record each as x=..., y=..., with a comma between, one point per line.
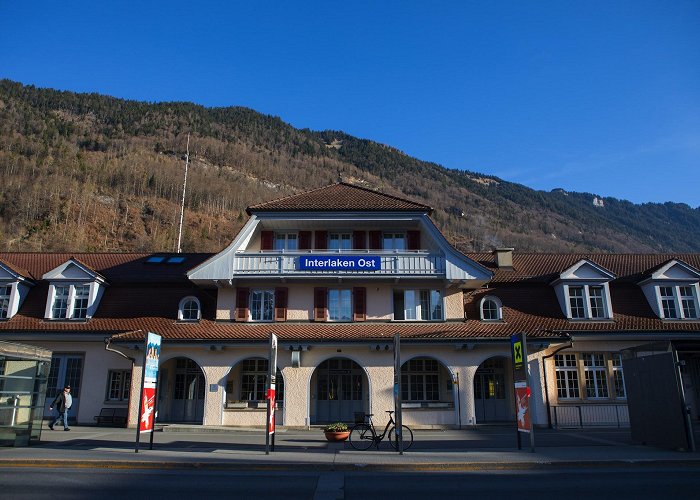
x=116, y=416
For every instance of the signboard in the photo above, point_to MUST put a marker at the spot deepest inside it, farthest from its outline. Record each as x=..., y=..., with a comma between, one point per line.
x=340, y=263
x=150, y=378
x=522, y=406
x=270, y=396
x=517, y=349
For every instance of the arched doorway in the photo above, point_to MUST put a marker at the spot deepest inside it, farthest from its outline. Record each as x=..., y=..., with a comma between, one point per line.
x=246, y=385
x=493, y=400
x=339, y=386
x=181, y=388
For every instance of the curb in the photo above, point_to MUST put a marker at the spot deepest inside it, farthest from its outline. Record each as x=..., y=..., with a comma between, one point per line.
x=359, y=467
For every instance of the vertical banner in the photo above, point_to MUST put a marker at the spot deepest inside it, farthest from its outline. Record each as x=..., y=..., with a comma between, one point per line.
x=397, y=392
x=149, y=380
x=518, y=349
x=271, y=383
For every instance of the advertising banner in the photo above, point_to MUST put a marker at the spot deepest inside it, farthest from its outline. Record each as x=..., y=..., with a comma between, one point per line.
x=150, y=379
x=271, y=383
x=340, y=263
x=522, y=406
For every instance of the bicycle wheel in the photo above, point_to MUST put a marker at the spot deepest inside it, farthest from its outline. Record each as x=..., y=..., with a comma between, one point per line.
x=361, y=437
x=406, y=438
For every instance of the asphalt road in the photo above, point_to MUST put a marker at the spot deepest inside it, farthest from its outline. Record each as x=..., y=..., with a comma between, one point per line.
x=619, y=483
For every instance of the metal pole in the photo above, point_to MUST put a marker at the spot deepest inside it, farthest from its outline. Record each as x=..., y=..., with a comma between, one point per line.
x=184, y=188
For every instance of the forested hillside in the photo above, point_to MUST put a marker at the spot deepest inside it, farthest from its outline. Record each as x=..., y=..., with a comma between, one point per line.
x=86, y=172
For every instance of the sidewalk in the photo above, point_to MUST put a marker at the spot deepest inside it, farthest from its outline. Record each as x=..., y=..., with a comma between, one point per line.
x=227, y=449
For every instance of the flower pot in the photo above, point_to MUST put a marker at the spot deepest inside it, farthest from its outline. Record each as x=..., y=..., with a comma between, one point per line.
x=337, y=436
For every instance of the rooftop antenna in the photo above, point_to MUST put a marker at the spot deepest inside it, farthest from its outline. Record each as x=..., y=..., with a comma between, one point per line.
x=184, y=188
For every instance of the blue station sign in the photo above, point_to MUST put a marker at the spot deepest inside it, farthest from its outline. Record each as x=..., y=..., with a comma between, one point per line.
x=340, y=263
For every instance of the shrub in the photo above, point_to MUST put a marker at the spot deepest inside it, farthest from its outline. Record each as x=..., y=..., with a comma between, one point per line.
x=336, y=427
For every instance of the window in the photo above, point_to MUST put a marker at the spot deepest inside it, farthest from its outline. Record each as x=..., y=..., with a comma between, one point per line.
x=80, y=301
x=595, y=374
x=491, y=309
x=189, y=309
x=118, y=385
x=414, y=305
x=339, y=304
x=618, y=376
x=567, y=376
x=5, y=292
x=254, y=381
x=420, y=380
x=286, y=241
x=339, y=241
x=678, y=302
x=394, y=241
x=70, y=301
x=587, y=302
x=262, y=305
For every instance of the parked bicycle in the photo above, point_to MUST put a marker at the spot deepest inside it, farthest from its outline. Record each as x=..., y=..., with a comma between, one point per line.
x=364, y=435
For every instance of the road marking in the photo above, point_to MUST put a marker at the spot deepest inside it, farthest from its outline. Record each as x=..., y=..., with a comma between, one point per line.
x=330, y=486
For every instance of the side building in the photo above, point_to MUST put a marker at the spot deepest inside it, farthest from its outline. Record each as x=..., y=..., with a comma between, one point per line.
x=335, y=273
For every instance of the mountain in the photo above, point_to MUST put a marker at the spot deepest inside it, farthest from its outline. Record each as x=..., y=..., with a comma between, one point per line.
x=87, y=172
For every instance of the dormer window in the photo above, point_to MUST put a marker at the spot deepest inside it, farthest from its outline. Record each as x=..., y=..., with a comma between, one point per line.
x=5, y=293
x=587, y=302
x=491, y=309
x=189, y=309
x=70, y=302
x=583, y=291
x=75, y=291
x=678, y=302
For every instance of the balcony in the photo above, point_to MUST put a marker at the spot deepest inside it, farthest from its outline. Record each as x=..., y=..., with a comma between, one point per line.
x=335, y=263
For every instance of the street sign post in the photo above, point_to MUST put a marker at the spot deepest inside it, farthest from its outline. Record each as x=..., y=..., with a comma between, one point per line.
x=397, y=393
x=521, y=389
x=270, y=396
x=149, y=390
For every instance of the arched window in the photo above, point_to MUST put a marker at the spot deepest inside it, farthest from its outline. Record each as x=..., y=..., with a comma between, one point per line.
x=189, y=309
x=491, y=308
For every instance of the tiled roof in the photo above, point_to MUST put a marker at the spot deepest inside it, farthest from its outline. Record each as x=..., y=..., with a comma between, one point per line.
x=340, y=197
x=15, y=269
x=145, y=297
x=546, y=266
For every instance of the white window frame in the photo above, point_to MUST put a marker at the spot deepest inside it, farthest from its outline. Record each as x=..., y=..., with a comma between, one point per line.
x=181, y=309
x=73, y=300
x=340, y=241
x=393, y=238
x=338, y=306
x=123, y=382
x=595, y=375
x=6, y=299
x=618, y=377
x=415, y=301
x=265, y=295
x=682, y=302
x=586, y=301
x=566, y=371
x=283, y=241
x=499, y=308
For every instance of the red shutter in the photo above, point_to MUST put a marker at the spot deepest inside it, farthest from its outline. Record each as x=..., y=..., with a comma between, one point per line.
x=266, y=240
x=375, y=240
x=280, y=304
x=359, y=296
x=359, y=242
x=241, y=304
x=304, y=240
x=321, y=240
x=413, y=240
x=320, y=300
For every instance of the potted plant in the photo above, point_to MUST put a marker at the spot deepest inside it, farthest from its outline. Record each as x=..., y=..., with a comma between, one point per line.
x=336, y=432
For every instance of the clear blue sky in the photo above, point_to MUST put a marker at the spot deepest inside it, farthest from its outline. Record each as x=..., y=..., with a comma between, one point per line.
x=595, y=96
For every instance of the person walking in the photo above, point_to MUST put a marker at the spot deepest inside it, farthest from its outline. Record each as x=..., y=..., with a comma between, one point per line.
x=63, y=402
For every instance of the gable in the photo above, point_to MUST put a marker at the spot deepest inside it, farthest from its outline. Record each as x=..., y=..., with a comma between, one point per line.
x=586, y=270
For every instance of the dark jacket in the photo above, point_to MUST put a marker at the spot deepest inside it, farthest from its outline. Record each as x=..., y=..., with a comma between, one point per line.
x=60, y=402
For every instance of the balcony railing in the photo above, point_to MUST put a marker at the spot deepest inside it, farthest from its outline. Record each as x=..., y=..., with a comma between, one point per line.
x=593, y=415
x=390, y=263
